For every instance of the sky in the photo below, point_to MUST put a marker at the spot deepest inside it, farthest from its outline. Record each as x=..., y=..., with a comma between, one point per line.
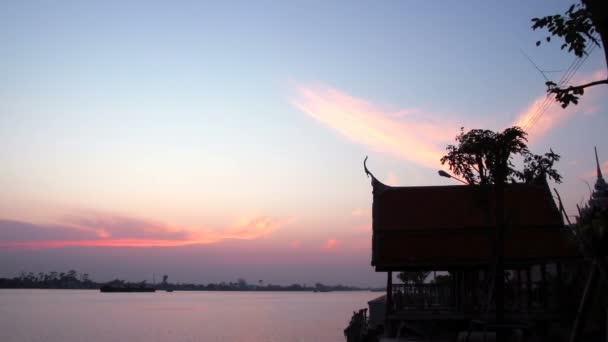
x=212, y=141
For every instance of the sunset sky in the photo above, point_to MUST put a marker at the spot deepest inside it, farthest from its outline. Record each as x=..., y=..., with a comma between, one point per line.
x=214, y=141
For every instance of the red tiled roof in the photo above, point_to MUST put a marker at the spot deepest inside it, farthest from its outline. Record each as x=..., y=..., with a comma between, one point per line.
x=448, y=226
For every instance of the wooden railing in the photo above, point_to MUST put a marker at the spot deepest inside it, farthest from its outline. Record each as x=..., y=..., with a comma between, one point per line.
x=443, y=297
x=422, y=296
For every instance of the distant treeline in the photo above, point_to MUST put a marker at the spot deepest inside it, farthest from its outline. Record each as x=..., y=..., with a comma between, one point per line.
x=74, y=280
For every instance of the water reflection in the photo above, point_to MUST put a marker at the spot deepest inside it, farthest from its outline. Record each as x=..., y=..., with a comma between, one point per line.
x=81, y=315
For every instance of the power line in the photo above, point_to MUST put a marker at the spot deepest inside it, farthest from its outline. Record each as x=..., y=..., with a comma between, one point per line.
x=566, y=77
x=548, y=98
x=574, y=66
x=534, y=64
x=562, y=84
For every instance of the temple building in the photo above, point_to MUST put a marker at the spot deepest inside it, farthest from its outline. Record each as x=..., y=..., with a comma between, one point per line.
x=451, y=230
x=599, y=197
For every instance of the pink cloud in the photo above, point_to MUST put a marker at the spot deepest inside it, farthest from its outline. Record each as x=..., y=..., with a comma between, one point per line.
x=105, y=225
x=406, y=134
x=416, y=136
x=105, y=243
x=253, y=228
x=118, y=231
x=553, y=114
x=331, y=244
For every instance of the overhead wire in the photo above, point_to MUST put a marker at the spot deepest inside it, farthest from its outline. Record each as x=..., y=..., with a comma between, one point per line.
x=566, y=77
x=548, y=98
x=572, y=69
x=548, y=101
x=563, y=82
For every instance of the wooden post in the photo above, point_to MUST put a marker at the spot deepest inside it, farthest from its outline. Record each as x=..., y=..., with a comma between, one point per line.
x=389, y=293
x=457, y=289
x=560, y=283
x=502, y=157
x=454, y=301
x=388, y=310
x=518, y=291
x=460, y=297
x=476, y=289
x=529, y=287
x=463, y=291
x=543, y=283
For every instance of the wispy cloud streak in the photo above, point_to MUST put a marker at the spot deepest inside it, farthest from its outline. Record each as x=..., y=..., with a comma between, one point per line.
x=407, y=134
x=414, y=135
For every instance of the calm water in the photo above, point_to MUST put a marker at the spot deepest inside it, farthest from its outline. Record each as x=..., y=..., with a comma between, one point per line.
x=81, y=315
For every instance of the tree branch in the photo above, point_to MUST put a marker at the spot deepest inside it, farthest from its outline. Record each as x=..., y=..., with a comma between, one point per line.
x=571, y=94
x=583, y=86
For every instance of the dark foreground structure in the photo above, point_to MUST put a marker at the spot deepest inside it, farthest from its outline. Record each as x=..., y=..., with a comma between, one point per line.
x=451, y=230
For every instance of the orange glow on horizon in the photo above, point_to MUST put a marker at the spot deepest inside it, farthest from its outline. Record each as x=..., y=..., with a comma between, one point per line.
x=104, y=243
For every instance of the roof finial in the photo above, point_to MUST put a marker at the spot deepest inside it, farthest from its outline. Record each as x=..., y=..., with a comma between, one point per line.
x=597, y=161
x=367, y=172
x=376, y=184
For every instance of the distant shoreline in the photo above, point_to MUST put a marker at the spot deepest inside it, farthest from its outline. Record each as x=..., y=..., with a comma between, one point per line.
x=160, y=290
x=72, y=280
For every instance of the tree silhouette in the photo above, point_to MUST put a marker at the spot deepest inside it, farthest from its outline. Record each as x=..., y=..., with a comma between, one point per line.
x=577, y=27
x=480, y=153
x=241, y=283
x=416, y=278
x=485, y=157
x=72, y=274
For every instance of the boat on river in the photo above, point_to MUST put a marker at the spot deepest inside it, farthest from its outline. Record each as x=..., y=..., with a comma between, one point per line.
x=110, y=288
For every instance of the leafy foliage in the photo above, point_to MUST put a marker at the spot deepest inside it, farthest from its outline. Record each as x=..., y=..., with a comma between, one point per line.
x=536, y=167
x=575, y=27
x=413, y=277
x=565, y=96
x=480, y=155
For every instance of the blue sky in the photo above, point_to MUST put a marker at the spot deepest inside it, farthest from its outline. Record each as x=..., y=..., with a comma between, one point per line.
x=210, y=118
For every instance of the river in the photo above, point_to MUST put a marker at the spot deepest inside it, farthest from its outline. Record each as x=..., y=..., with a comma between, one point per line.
x=87, y=315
